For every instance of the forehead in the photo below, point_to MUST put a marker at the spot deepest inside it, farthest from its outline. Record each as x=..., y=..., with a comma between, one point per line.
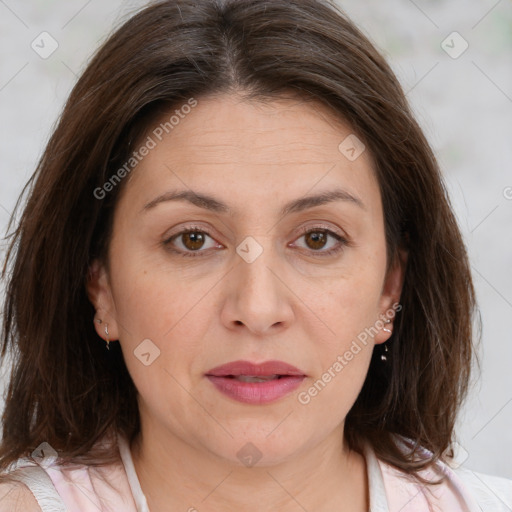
x=282, y=127
x=244, y=148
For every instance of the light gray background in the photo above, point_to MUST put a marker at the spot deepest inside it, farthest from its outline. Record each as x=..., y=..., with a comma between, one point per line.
x=464, y=105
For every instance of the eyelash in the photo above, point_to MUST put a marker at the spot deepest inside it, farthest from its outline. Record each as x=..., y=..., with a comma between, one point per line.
x=343, y=242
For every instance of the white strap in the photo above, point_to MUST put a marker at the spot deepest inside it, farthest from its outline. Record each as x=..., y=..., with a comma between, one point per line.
x=378, y=499
x=126, y=457
x=41, y=486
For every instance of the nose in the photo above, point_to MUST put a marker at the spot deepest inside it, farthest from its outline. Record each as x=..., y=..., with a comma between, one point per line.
x=257, y=297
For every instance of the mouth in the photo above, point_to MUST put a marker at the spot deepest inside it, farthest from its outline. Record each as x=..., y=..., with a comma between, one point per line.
x=267, y=370
x=254, y=378
x=254, y=383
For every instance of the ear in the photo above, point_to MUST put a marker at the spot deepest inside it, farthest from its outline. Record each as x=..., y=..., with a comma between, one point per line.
x=99, y=293
x=390, y=296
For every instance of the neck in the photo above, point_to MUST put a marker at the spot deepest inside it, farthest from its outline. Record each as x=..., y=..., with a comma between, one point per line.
x=177, y=476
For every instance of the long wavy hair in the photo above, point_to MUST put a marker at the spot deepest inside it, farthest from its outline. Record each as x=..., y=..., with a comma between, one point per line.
x=64, y=388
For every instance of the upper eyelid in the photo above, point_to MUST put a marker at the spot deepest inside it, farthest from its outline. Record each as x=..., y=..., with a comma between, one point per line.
x=306, y=229
x=301, y=231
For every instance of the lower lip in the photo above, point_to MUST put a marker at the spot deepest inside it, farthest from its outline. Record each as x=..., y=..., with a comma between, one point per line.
x=256, y=392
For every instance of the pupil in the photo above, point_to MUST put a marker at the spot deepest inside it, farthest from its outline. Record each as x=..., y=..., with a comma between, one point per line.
x=318, y=238
x=193, y=241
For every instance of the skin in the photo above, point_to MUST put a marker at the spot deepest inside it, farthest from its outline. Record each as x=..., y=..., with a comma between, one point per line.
x=291, y=304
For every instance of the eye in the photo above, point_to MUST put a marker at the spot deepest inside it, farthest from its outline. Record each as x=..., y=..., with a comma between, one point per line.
x=323, y=241
x=190, y=241
x=194, y=242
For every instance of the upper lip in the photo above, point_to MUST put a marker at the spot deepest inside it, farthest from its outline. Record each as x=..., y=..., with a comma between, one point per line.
x=248, y=368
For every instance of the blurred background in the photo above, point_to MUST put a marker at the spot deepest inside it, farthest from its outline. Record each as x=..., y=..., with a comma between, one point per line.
x=454, y=60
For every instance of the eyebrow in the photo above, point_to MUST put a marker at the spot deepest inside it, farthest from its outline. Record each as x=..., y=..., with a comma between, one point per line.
x=297, y=205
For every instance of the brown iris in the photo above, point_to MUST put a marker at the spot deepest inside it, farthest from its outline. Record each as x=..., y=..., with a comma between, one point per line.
x=318, y=239
x=193, y=240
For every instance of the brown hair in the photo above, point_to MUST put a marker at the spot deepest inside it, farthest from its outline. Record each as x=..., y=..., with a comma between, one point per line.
x=65, y=388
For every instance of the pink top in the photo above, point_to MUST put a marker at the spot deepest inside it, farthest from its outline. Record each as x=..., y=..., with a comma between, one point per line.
x=116, y=488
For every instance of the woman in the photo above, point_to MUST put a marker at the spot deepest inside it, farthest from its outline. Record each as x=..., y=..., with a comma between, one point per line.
x=237, y=283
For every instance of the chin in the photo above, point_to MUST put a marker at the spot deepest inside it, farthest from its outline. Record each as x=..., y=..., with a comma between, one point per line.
x=257, y=448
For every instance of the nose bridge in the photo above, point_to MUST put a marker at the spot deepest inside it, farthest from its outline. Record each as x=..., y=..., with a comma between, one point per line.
x=253, y=272
x=257, y=298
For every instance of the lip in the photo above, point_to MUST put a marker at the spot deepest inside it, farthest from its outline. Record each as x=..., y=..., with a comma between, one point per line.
x=264, y=369
x=224, y=379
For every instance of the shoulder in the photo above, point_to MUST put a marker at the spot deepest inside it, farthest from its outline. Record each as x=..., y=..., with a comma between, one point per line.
x=460, y=489
x=50, y=483
x=490, y=492
x=16, y=497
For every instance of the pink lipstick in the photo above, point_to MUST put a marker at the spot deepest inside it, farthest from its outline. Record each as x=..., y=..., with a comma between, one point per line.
x=256, y=383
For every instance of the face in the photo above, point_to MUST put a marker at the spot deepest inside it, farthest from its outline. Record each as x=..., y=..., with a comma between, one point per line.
x=220, y=254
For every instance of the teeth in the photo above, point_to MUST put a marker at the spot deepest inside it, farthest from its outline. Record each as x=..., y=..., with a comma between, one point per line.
x=250, y=378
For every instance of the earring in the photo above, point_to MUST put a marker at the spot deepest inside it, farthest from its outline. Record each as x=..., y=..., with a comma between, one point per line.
x=106, y=334
x=386, y=350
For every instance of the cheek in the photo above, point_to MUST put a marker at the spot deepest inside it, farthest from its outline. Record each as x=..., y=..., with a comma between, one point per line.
x=349, y=303
x=160, y=305
x=349, y=310
x=171, y=314
x=349, y=307
x=150, y=298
